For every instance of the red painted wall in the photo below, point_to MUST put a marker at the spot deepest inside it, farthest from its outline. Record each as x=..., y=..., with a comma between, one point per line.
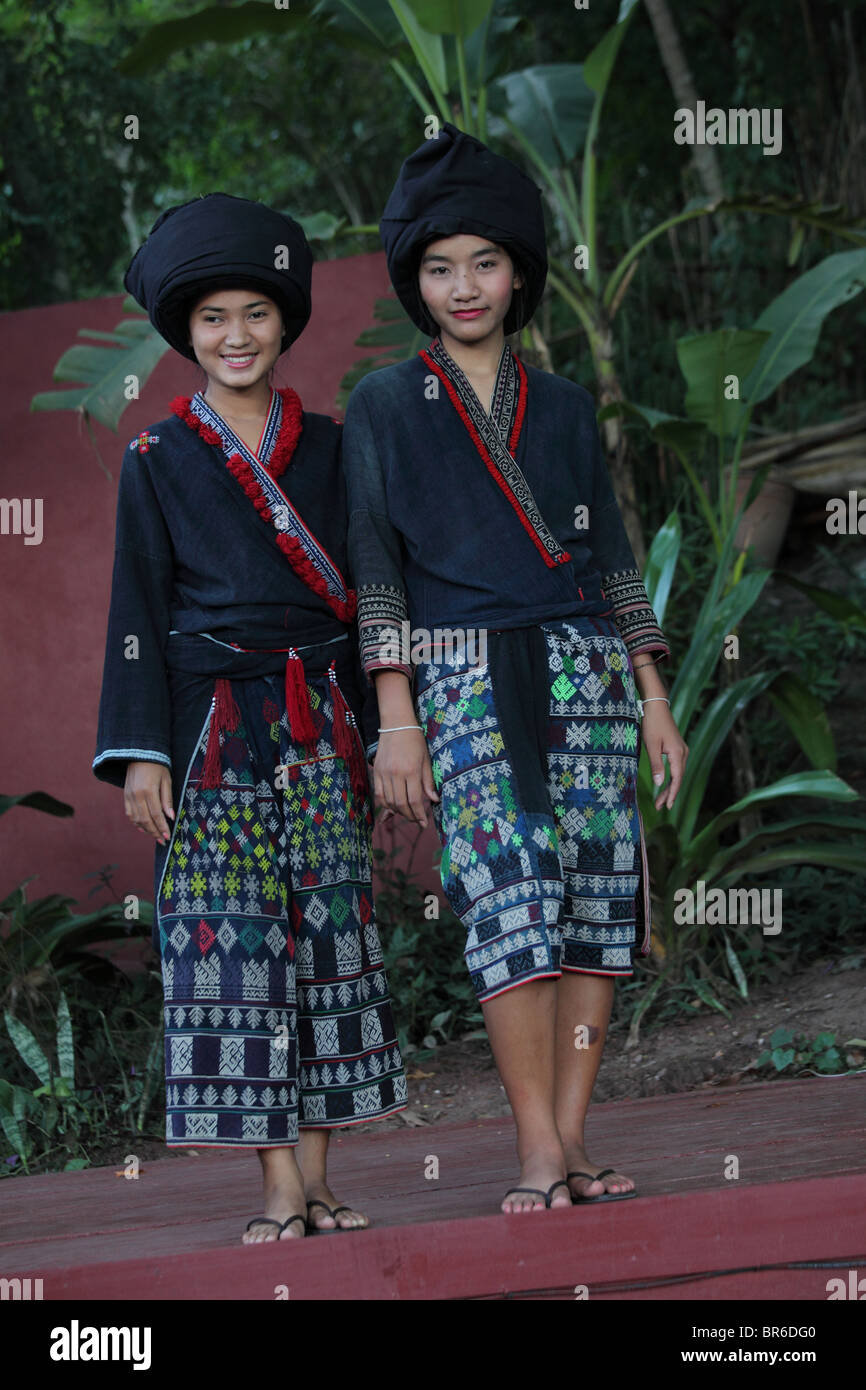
x=56, y=594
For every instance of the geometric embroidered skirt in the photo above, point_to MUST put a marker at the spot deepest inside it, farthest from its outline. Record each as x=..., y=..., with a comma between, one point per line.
x=535, y=758
x=277, y=1014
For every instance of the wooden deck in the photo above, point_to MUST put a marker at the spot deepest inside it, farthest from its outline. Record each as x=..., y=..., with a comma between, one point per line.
x=794, y=1218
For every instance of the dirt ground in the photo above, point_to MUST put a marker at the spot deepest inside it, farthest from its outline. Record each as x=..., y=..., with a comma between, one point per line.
x=461, y=1082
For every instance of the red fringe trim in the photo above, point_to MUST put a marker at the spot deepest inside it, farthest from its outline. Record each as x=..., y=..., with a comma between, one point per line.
x=291, y=547
x=298, y=712
x=290, y=428
x=347, y=740
x=225, y=718
x=549, y=560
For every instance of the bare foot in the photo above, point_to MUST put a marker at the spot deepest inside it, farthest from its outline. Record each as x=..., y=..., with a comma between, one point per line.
x=539, y=1170
x=577, y=1159
x=282, y=1200
x=348, y=1219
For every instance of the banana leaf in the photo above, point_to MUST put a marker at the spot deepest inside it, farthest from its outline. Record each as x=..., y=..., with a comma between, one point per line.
x=458, y=18
x=37, y=801
x=135, y=349
x=705, y=360
x=793, y=320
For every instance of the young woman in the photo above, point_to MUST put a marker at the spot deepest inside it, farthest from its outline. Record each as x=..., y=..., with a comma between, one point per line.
x=480, y=505
x=228, y=715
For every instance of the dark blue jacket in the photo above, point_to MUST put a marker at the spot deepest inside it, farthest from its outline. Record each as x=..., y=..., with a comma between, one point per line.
x=194, y=556
x=433, y=538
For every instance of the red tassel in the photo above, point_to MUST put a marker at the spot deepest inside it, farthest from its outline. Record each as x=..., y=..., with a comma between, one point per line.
x=298, y=711
x=225, y=716
x=347, y=741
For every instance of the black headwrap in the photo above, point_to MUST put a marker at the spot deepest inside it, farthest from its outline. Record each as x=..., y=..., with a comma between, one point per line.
x=222, y=242
x=454, y=185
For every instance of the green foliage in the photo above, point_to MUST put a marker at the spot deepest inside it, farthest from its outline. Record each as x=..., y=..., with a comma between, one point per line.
x=99, y=1062
x=431, y=992
x=795, y=1053
x=37, y=801
x=396, y=340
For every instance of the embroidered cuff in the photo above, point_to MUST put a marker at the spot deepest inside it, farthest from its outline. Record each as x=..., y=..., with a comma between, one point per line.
x=633, y=614
x=383, y=628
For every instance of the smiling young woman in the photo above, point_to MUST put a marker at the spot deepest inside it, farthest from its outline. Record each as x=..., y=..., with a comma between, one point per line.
x=231, y=702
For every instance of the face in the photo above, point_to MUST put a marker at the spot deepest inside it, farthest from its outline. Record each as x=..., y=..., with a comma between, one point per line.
x=467, y=283
x=236, y=335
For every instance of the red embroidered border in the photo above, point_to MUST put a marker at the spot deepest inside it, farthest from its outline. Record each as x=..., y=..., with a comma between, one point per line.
x=291, y=547
x=521, y=408
x=549, y=560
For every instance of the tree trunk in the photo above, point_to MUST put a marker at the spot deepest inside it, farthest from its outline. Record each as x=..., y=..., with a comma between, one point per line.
x=683, y=87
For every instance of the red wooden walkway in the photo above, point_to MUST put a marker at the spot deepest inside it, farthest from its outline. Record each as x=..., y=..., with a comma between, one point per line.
x=794, y=1218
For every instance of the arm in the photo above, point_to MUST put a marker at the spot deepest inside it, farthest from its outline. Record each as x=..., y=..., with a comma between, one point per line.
x=402, y=775
x=623, y=586
x=133, y=748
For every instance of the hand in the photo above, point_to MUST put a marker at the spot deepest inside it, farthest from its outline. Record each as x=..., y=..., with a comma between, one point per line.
x=662, y=739
x=147, y=798
x=403, y=776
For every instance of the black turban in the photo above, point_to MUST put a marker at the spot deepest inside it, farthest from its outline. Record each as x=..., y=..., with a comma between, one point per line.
x=454, y=185
x=221, y=242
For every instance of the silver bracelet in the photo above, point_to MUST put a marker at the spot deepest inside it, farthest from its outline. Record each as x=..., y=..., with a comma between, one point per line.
x=401, y=726
x=641, y=703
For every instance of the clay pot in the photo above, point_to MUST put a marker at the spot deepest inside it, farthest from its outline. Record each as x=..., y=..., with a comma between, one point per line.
x=764, y=523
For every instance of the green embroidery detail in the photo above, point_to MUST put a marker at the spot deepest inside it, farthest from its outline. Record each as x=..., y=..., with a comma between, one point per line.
x=562, y=687
x=339, y=911
x=249, y=937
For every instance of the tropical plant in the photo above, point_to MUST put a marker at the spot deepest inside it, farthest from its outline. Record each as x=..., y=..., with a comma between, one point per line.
x=45, y=940
x=691, y=843
x=730, y=372
x=54, y=1104
x=450, y=56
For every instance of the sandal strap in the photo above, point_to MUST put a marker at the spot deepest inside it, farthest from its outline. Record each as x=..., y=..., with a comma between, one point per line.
x=264, y=1221
x=553, y=1186
x=296, y=1217
x=316, y=1202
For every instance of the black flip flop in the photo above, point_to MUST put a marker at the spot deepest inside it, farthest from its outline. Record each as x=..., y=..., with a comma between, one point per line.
x=537, y=1192
x=606, y=1196
x=328, y=1230
x=270, y=1221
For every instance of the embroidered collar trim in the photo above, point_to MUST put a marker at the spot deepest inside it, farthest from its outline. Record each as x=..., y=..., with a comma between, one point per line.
x=279, y=437
x=257, y=475
x=496, y=437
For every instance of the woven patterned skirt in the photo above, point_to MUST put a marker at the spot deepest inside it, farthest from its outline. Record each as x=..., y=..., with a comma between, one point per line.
x=277, y=1013
x=535, y=757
